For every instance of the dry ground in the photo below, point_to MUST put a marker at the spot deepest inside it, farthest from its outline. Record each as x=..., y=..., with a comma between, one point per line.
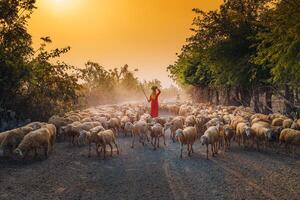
x=142, y=173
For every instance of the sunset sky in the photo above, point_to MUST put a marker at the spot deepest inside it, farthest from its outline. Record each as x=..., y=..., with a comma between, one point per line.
x=144, y=34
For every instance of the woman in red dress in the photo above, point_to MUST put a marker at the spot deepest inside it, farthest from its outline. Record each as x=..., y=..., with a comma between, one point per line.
x=154, y=101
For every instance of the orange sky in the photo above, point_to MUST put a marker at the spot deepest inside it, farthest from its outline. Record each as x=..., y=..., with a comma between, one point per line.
x=144, y=34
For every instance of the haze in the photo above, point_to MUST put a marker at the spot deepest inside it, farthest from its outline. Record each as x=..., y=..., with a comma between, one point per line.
x=144, y=34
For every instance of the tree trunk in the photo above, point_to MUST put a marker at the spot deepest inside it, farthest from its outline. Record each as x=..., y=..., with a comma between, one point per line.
x=227, y=96
x=245, y=97
x=288, y=93
x=255, y=97
x=268, y=101
x=217, y=97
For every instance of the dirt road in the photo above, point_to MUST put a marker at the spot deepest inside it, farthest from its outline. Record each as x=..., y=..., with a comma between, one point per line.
x=142, y=173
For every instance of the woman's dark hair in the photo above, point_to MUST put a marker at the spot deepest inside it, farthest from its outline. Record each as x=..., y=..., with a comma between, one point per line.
x=153, y=87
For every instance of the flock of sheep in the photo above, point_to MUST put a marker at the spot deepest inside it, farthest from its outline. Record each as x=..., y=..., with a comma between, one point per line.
x=216, y=126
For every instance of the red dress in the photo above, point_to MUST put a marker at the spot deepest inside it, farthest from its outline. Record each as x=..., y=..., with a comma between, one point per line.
x=154, y=105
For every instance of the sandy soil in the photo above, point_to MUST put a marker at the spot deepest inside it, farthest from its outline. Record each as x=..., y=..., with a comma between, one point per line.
x=142, y=173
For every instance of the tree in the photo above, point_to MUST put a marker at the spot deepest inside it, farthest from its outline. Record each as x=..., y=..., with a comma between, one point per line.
x=278, y=48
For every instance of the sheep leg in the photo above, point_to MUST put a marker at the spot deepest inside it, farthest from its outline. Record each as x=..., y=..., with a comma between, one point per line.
x=189, y=150
x=192, y=148
x=104, y=153
x=157, y=142
x=90, y=146
x=111, y=149
x=97, y=150
x=117, y=147
x=164, y=140
x=46, y=149
x=257, y=144
x=133, y=141
x=35, y=152
x=207, y=151
x=212, y=150
x=181, y=148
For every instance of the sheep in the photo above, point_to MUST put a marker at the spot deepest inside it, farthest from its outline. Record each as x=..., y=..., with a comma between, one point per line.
x=210, y=137
x=228, y=135
x=140, y=129
x=13, y=139
x=73, y=130
x=82, y=138
x=187, y=136
x=34, y=140
x=52, y=130
x=176, y=123
x=287, y=123
x=162, y=121
x=190, y=121
x=213, y=122
x=114, y=124
x=277, y=122
x=289, y=137
x=157, y=131
x=107, y=137
x=97, y=129
x=295, y=126
x=36, y=125
x=2, y=138
x=262, y=130
x=59, y=121
x=128, y=128
x=236, y=120
x=124, y=120
x=243, y=131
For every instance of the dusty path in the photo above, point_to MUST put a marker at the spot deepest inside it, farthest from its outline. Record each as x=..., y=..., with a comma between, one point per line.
x=142, y=173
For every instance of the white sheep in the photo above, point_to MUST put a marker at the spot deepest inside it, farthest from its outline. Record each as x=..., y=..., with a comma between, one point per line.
x=211, y=137
x=35, y=140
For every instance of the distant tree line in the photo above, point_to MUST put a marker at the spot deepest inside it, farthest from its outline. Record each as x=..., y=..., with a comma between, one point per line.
x=34, y=84
x=245, y=53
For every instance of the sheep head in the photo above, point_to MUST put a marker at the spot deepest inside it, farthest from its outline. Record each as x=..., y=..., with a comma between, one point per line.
x=18, y=152
x=204, y=140
x=270, y=135
x=248, y=131
x=179, y=133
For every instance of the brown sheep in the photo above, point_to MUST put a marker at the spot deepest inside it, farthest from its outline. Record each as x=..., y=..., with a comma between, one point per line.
x=228, y=135
x=52, y=130
x=241, y=132
x=287, y=123
x=176, y=123
x=107, y=137
x=128, y=128
x=140, y=129
x=289, y=137
x=187, y=137
x=277, y=121
x=13, y=139
x=114, y=124
x=33, y=141
x=157, y=131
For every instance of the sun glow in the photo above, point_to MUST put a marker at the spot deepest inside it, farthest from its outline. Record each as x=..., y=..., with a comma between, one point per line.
x=59, y=6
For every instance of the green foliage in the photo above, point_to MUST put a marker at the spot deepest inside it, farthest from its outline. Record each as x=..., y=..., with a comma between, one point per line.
x=39, y=86
x=279, y=44
x=243, y=46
